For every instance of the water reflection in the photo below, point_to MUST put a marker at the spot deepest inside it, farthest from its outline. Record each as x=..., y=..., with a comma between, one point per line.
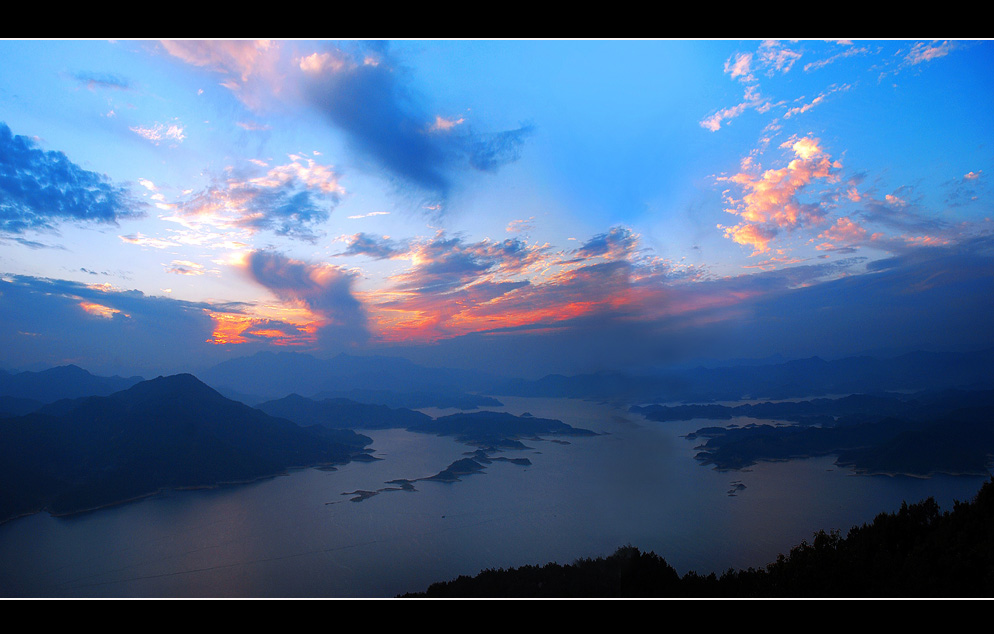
x=297, y=535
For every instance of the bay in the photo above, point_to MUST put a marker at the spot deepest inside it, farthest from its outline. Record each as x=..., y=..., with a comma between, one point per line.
x=301, y=535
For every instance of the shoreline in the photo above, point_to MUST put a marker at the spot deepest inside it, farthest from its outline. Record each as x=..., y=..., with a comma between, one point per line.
x=197, y=487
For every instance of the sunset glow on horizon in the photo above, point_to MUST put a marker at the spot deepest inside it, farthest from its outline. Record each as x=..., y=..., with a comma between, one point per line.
x=628, y=202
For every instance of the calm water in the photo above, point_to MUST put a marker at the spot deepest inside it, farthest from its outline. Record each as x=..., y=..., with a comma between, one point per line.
x=299, y=536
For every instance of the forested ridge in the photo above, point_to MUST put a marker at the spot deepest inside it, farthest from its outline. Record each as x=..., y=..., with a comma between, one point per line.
x=917, y=551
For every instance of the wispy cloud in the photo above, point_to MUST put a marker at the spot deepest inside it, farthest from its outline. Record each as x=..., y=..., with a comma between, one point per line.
x=145, y=241
x=520, y=225
x=159, y=132
x=102, y=80
x=370, y=214
x=752, y=99
x=185, y=267
x=926, y=52
x=814, y=102
x=850, y=51
x=776, y=57
x=290, y=200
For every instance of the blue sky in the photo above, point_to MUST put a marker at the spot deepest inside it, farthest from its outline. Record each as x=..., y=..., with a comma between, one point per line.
x=555, y=205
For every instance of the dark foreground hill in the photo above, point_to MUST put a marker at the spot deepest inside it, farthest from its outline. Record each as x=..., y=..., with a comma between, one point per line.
x=170, y=432
x=916, y=552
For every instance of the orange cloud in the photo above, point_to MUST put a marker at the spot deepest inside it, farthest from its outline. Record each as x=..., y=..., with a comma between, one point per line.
x=250, y=68
x=844, y=230
x=757, y=237
x=771, y=200
x=99, y=310
x=444, y=125
x=299, y=326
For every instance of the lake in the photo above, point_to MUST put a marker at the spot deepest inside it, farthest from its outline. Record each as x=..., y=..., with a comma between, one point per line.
x=298, y=536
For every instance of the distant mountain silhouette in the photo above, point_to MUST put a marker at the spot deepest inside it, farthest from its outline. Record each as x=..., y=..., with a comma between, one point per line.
x=950, y=431
x=273, y=375
x=798, y=378
x=414, y=400
x=67, y=381
x=827, y=411
x=170, y=432
x=341, y=413
x=497, y=429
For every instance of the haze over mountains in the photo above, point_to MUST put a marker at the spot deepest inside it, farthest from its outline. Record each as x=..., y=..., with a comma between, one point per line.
x=73, y=441
x=386, y=380
x=400, y=383
x=812, y=376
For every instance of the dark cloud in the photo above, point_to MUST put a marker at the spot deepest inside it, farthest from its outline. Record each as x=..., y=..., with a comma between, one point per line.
x=325, y=290
x=617, y=242
x=371, y=246
x=387, y=122
x=34, y=244
x=447, y=263
x=287, y=212
x=490, y=152
x=123, y=332
x=39, y=188
x=102, y=80
x=897, y=213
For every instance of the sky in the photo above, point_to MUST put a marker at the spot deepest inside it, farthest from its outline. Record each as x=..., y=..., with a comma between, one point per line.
x=519, y=206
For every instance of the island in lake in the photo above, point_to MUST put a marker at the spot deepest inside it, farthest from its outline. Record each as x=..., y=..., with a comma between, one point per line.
x=920, y=434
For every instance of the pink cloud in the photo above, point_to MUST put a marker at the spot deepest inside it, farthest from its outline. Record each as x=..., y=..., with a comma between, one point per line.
x=922, y=52
x=739, y=67
x=752, y=100
x=752, y=235
x=771, y=200
x=775, y=56
x=814, y=102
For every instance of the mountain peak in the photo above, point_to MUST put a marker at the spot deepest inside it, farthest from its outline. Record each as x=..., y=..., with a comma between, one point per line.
x=184, y=385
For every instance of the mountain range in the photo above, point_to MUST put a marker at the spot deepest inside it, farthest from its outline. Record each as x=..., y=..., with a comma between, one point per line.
x=273, y=375
x=170, y=432
x=814, y=376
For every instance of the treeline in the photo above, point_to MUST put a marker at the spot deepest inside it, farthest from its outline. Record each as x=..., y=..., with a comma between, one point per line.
x=919, y=551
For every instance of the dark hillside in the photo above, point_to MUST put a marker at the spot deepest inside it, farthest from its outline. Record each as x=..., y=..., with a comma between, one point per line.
x=170, y=432
x=918, y=551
